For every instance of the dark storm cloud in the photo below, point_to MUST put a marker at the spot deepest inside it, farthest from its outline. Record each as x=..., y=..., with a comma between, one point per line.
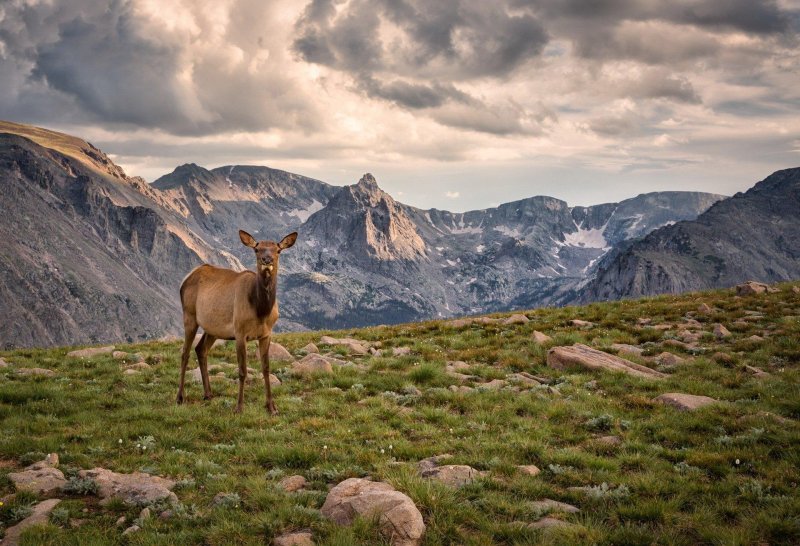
x=96, y=61
x=414, y=95
x=457, y=39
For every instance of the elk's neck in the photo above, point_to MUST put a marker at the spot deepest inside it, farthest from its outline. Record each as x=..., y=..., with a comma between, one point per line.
x=263, y=294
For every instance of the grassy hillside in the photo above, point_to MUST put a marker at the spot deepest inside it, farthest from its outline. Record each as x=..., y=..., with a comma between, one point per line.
x=723, y=474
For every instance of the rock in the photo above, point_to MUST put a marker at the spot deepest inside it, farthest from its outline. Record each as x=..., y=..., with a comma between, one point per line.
x=720, y=331
x=119, y=355
x=298, y=538
x=35, y=371
x=684, y=402
x=121, y=521
x=722, y=358
x=353, y=346
x=669, y=359
x=278, y=353
x=3, y=363
x=582, y=355
x=310, y=364
x=42, y=478
x=643, y=321
x=662, y=327
x=755, y=339
x=704, y=308
x=452, y=475
x=91, y=352
x=138, y=366
x=310, y=349
x=197, y=377
x=39, y=516
x=493, y=385
x=523, y=378
x=131, y=529
x=130, y=371
x=581, y=323
x=144, y=514
x=166, y=514
x=758, y=372
x=432, y=462
x=679, y=344
x=517, y=319
x=292, y=483
x=529, y=469
x=461, y=388
x=456, y=365
x=625, y=349
x=796, y=289
x=549, y=523
x=399, y=519
x=486, y=320
x=138, y=488
x=540, y=338
x=608, y=440
x=375, y=352
x=459, y=323
x=751, y=288
x=550, y=505
x=401, y=351
x=689, y=337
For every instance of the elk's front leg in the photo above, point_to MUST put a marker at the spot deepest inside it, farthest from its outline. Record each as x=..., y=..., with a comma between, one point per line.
x=263, y=350
x=241, y=357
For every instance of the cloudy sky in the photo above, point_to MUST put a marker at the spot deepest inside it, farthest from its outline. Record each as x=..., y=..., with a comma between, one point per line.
x=455, y=104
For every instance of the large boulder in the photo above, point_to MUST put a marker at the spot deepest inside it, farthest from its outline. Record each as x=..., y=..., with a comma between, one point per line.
x=278, y=353
x=586, y=357
x=684, y=402
x=540, y=338
x=138, y=488
x=310, y=364
x=752, y=287
x=42, y=478
x=354, y=346
x=399, y=519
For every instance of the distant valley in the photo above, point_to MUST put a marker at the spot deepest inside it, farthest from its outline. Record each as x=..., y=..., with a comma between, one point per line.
x=93, y=255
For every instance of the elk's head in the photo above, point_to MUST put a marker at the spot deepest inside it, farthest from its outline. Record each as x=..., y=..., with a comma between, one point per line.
x=267, y=252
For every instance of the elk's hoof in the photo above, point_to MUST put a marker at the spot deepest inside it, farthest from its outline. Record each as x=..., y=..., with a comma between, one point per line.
x=237, y=409
x=208, y=396
x=272, y=409
x=179, y=399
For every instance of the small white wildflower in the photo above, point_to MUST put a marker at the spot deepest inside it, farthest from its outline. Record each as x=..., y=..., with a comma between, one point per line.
x=325, y=447
x=382, y=451
x=119, y=441
x=451, y=431
x=390, y=447
x=144, y=448
x=737, y=461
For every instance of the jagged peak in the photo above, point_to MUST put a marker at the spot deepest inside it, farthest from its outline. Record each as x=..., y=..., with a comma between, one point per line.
x=368, y=182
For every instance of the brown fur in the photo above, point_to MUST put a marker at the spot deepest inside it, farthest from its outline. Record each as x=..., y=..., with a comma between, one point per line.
x=233, y=305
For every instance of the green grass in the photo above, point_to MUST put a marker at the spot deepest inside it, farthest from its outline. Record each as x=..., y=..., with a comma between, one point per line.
x=725, y=474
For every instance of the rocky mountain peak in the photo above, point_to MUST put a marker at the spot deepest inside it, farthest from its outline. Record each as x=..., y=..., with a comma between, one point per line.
x=368, y=182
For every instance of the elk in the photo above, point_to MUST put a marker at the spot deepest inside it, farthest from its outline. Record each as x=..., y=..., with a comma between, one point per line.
x=228, y=304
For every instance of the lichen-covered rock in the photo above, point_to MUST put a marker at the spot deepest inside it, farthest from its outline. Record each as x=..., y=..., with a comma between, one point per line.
x=138, y=488
x=298, y=538
x=399, y=519
x=278, y=353
x=540, y=338
x=42, y=478
x=517, y=319
x=292, y=483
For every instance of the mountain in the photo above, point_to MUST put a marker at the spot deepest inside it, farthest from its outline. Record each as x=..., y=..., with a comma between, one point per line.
x=752, y=235
x=93, y=255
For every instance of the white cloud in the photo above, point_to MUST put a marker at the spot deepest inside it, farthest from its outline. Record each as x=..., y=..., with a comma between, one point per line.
x=452, y=194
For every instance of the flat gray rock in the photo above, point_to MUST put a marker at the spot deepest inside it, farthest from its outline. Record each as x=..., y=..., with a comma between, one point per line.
x=549, y=505
x=42, y=478
x=138, y=488
x=91, y=352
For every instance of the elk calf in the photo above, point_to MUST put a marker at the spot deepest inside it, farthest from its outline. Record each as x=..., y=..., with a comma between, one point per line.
x=228, y=304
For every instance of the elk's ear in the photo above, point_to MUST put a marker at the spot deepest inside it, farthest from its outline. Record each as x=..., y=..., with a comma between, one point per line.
x=247, y=239
x=288, y=241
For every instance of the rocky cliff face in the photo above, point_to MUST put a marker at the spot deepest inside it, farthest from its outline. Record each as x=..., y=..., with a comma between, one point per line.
x=752, y=235
x=92, y=255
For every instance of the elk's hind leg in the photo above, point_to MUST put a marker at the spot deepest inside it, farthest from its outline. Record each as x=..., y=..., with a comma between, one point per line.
x=190, y=330
x=202, y=359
